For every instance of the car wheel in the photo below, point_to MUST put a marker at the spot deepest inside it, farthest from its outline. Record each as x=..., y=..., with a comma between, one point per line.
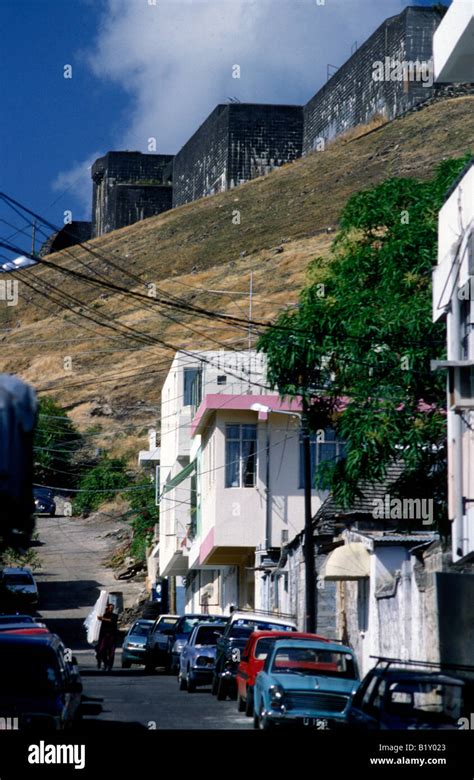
x=222, y=689
x=126, y=664
x=249, y=703
x=182, y=682
x=240, y=704
x=190, y=683
x=215, y=683
x=255, y=719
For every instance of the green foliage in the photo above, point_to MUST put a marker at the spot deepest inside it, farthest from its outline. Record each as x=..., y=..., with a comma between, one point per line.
x=56, y=441
x=144, y=516
x=363, y=332
x=100, y=484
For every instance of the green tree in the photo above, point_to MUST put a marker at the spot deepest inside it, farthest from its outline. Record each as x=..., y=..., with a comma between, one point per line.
x=56, y=442
x=99, y=484
x=358, y=347
x=143, y=517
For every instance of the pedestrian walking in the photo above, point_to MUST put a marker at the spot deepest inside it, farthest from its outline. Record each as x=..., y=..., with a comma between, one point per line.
x=105, y=651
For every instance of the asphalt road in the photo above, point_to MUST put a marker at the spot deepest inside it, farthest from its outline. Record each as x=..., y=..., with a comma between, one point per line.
x=72, y=553
x=132, y=699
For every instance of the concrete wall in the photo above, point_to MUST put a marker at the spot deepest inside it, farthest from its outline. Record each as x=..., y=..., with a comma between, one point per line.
x=237, y=142
x=426, y=614
x=352, y=97
x=326, y=617
x=200, y=167
x=115, y=206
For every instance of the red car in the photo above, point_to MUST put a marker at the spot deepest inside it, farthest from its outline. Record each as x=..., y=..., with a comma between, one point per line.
x=253, y=659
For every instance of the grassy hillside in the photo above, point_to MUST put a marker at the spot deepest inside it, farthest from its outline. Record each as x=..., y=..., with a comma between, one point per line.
x=196, y=252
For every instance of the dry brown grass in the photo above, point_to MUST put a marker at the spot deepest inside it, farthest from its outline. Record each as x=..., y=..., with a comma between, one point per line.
x=194, y=250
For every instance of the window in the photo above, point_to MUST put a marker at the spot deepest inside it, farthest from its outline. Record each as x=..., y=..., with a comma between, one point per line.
x=222, y=379
x=190, y=375
x=325, y=446
x=240, y=455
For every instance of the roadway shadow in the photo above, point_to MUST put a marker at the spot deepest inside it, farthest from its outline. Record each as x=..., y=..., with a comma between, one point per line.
x=90, y=726
x=58, y=595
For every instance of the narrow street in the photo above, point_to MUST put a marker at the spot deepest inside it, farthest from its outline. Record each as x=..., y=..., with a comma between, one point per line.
x=71, y=552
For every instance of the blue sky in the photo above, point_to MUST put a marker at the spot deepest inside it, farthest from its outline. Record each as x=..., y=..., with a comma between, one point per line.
x=141, y=70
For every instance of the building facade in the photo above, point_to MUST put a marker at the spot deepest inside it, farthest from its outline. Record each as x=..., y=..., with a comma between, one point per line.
x=231, y=480
x=237, y=142
x=379, y=80
x=453, y=292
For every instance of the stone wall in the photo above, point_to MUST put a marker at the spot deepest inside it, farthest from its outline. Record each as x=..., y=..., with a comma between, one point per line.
x=352, y=97
x=236, y=143
x=127, y=187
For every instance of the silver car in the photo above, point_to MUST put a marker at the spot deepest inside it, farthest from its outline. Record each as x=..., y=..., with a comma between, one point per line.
x=17, y=586
x=198, y=656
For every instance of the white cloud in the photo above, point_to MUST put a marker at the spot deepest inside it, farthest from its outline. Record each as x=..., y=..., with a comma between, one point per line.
x=175, y=58
x=75, y=183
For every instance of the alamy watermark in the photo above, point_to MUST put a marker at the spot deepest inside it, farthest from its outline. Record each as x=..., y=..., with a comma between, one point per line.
x=391, y=69
x=9, y=291
x=389, y=508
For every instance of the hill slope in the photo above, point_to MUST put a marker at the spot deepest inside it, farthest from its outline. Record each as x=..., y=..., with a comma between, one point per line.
x=98, y=352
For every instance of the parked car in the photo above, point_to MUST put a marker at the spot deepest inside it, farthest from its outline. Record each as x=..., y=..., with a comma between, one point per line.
x=18, y=586
x=239, y=627
x=180, y=635
x=44, y=501
x=401, y=698
x=156, y=648
x=134, y=643
x=38, y=685
x=23, y=628
x=17, y=618
x=196, y=664
x=252, y=661
x=305, y=682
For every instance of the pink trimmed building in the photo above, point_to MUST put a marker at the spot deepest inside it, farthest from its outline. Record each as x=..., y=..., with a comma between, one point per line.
x=231, y=484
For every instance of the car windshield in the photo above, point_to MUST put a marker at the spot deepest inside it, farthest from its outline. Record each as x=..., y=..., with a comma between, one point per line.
x=431, y=700
x=206, y=635
x=25, y=672
x=188, y=623
x=18, y=579
x=141, y=629
x=165, y=624
x=242, y=628
x=16, y=619
x=311, y=660
x=42, y=493
x=262, y=647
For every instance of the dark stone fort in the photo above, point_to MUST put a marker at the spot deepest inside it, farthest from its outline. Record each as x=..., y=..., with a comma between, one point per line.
x=241, y=141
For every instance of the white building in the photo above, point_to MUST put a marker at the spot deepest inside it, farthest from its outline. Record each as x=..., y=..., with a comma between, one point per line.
x=453, y=289
x=453, y=44
x=219, y=523
x=453, y=299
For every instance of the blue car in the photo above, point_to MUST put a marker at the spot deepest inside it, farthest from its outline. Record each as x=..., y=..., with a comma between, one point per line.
x=305, y=682
x=134, y=644
x=198, y=656
x=180, y=635
x=40, y=686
